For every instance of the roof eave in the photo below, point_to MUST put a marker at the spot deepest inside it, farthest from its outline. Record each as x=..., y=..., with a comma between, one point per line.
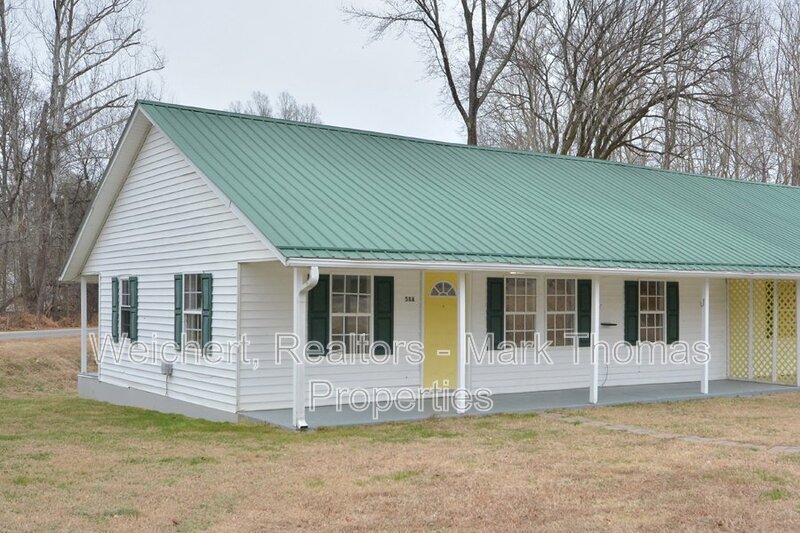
x=535, y=268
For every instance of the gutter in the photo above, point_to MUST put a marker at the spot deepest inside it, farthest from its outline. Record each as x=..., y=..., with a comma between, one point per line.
x=515, y=267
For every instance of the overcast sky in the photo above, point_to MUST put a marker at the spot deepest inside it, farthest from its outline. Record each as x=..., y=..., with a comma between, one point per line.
x=218, y=52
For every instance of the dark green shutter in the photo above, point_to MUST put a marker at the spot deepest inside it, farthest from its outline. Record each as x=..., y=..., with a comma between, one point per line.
x=384, y=312
x=673, y=312
x=133, y=288
x=495, y=310
x=631, y=312
x=115, y=309
x=178, y=308
x=319, y=311
x=584, y=310
x=207, y=293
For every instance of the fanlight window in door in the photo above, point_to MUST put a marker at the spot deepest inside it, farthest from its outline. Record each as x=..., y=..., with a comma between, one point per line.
x=443, y=288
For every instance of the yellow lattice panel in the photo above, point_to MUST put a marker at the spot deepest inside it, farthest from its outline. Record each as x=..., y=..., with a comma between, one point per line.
x=763, y=321
x=738, y=325
x=786, y=341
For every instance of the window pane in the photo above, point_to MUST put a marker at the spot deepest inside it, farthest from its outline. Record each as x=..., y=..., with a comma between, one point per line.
x=126, y=294
x=125, y=321
x=192, y=297
x=530, y=303
x=337, y=303
x=351, y=304
x=192, y=327
x=364, y=304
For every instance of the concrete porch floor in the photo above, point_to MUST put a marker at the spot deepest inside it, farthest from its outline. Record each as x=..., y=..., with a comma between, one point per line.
x=328, y=416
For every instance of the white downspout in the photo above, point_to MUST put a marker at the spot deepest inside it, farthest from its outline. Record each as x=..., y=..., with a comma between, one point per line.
x=594, y=342
x=301, y=289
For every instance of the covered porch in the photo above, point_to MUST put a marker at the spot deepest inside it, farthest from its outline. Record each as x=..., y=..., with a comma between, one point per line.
x=523, y=402
x=598, y=305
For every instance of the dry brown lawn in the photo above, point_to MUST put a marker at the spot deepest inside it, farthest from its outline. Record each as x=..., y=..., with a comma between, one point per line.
x=771, y=420
x=68, y=464
x=39, y=368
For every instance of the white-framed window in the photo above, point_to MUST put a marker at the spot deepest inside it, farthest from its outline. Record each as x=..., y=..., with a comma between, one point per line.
x=193, y=308
x=652, y=311
x=351, y=311
x=561, y=311
x=443, y=289
x=125, y=307
x=520, y=310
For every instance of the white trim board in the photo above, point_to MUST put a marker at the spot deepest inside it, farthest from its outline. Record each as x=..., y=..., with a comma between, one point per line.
x=514, y=267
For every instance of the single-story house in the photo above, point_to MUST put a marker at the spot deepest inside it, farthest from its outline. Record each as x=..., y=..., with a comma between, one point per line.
x=210, y=226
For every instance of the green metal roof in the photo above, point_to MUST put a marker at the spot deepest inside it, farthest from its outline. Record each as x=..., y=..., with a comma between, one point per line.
x=332, y=193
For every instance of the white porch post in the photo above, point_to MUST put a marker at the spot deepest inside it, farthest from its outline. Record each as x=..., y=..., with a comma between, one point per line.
x=595, y=333
x=797, y=330
x=461, y=356
x=299, y=321
x=84, y=328
x=750, y=329
x=706, y=332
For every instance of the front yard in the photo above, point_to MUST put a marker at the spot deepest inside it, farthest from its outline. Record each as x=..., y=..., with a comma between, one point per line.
x=80, y=465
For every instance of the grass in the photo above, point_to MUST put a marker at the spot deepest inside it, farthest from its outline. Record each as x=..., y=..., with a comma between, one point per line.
x=775, y=494
x=71, y=464
x=125, y=511
x=768, y=419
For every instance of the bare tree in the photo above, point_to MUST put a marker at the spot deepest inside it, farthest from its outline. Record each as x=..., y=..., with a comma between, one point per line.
x=780, y=87
x=66, y=96
x=468, y=44
x=288, y=108
x=591, y=77
x=258, y=104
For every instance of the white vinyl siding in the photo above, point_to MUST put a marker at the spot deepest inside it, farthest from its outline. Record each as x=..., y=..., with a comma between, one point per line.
x=266, y=307
x=562, y=374
x=166, y=221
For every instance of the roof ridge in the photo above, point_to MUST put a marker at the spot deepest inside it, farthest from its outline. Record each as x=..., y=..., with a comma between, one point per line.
x=510, y=151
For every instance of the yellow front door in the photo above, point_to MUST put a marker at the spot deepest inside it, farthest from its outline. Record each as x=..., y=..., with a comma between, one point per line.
x=441, y=330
